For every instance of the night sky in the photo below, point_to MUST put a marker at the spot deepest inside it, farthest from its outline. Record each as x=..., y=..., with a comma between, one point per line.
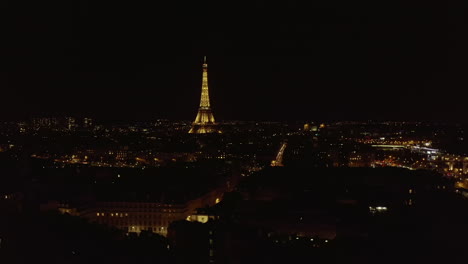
x=268, y=60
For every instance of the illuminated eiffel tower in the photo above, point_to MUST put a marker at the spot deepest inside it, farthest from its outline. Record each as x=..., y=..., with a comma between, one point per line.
x=204, y=122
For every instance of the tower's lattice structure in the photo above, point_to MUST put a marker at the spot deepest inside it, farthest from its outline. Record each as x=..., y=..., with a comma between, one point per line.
x=204, y=122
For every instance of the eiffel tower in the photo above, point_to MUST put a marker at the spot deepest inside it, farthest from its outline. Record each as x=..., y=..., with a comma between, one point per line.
x=204, y=122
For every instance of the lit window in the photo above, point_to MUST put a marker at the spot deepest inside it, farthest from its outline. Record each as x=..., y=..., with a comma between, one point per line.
x=377, y=209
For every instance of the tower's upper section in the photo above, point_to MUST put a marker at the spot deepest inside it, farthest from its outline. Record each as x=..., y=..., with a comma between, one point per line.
x=205, y=97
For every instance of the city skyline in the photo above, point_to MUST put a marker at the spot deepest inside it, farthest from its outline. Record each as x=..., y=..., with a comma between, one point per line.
x=329, y=63
x=327, y=132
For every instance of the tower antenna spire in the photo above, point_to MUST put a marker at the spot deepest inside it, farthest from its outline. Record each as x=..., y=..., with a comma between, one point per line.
x=204, y=60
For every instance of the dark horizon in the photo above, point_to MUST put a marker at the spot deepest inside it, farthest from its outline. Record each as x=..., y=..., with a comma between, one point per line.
x=270, y=62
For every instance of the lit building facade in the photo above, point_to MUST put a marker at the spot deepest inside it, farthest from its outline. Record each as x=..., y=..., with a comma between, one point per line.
x=136, y=216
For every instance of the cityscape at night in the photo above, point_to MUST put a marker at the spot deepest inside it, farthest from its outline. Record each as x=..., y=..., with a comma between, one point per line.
x=277, y=133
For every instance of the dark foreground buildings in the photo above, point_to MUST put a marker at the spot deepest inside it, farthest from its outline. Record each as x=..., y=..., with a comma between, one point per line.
x=328, y=216
x=199, y=213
